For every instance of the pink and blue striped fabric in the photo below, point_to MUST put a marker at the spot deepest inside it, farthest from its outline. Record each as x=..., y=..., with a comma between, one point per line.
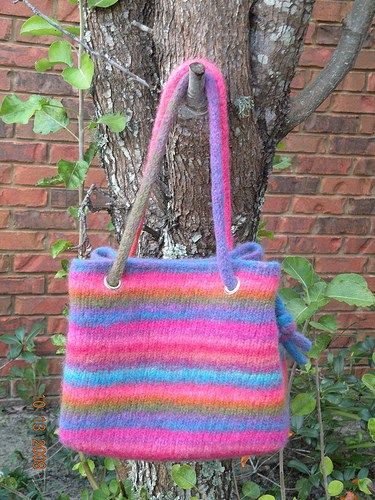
x=169, y=366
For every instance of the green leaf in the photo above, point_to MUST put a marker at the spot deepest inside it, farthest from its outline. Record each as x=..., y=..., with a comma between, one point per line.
x=184, y=476
x=266, y=497
x=281, y=162
x=320, y=344
x=60, y=52
x=15, y=110
x=101, y=3
x=60, y=246
x=303, y=404
x=35, y=330
x=91, y=152
x=351, y=289
x=114, y=121
x=288, y=294
x=73, y=212
x=363, y=485
x=109, y=463
x=328, y=466
x=50, y=118
x=335, y=488
x=326, y=323
x=317, y=292
x=369, y=380
x=50, y=181
x=298, y=465
x=301, y=270
x=113, y=486
x=250, y=489
x=37, y=26
x=300, y=311
x=20, y=333
x=74, y=30
x=72, y=173
x=81, y=77
x=371, y=427
x=43, y=65
x=9, y=339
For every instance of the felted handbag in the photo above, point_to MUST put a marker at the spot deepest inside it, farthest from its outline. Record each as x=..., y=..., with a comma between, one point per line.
x=178, y=359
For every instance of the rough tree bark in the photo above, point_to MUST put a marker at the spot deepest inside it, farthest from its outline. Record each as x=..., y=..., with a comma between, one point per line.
x=257, y=45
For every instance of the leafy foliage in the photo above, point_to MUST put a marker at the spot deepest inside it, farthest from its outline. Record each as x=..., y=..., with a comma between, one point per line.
x=81, y=77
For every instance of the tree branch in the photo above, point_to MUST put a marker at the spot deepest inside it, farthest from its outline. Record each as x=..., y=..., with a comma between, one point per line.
x=355, y=28
x=94, y=53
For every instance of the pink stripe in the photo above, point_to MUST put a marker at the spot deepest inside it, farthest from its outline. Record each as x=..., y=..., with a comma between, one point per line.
x=213, y=393
x=160, y=444
x=191, y=332
x=165, y=281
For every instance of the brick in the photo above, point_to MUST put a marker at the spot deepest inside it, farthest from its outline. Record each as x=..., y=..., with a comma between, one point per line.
x=16, y=240
x=55, y=285
x=361, y=206
x=21, y=10
x=371, y=82
x=326, y=165
x=330, y=124
x=300, y=78
x=5, y=370
x=96, y=176
x=304, y=143
x=53, y=386
x=41, y=83
x=316, y=57
x=20, y=55
x=67, y=12
x=63, y=198
x=342, y=225
x=4, y=218
x=23, y=151
x=29, y=175
x=5, y=305
x=14, y=285
x=365, y=60
x=35, y=263
x=338, y=264
x=287, y=184
x=6, y=131
x=352, y=145
x=358, y=319
x=5, y=28
x=364, y=166
x=351, y=103
x=55, y=365
x=276, y=204
x=359, y=245
x=63, y=151
x=35, y=219
x=295, y=224
x=6, y=174
x=327, y=10
x=44, y=345
x=328, y=34
x=57, y=324
x=310, y=34
x=354, y=81
x=4, y=79
x=4, y=263
x=318, y=204
x=367, y=124
x=315, y=244
x=10, y=323
x=351, y=186
x=275, y=245
x=27, y=197
x=99, y=221
x=39, y=305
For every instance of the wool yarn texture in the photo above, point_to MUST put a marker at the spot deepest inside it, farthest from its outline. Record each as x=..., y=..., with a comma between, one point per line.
x=186, y=358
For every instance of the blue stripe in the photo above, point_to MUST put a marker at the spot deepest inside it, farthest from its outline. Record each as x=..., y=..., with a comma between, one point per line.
x=95, y=316
x=172, y=421
x=85, y=378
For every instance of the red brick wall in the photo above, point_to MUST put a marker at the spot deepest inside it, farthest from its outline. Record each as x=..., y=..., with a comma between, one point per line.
x=321, y=208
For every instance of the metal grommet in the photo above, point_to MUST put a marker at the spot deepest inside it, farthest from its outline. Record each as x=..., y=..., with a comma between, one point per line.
x=235, y=289
x=107, y=285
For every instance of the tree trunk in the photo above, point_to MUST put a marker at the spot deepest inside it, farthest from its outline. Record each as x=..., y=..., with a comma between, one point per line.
x=256, y=44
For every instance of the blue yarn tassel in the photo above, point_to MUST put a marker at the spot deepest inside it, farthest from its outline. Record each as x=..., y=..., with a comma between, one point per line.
x=294, y=342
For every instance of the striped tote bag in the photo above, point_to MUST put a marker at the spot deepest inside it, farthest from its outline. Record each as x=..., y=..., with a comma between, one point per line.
x=178, y=359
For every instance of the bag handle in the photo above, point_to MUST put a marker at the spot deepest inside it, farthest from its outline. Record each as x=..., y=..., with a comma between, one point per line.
x=172, y=97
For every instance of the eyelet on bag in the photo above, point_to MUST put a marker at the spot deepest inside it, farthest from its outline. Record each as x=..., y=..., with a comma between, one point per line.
x=107, y=285
x=235, y=289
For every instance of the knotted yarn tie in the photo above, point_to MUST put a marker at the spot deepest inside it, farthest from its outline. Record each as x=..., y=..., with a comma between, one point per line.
x=294, y=342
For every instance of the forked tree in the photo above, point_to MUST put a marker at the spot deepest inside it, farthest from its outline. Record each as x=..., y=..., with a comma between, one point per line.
x=257, y=45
